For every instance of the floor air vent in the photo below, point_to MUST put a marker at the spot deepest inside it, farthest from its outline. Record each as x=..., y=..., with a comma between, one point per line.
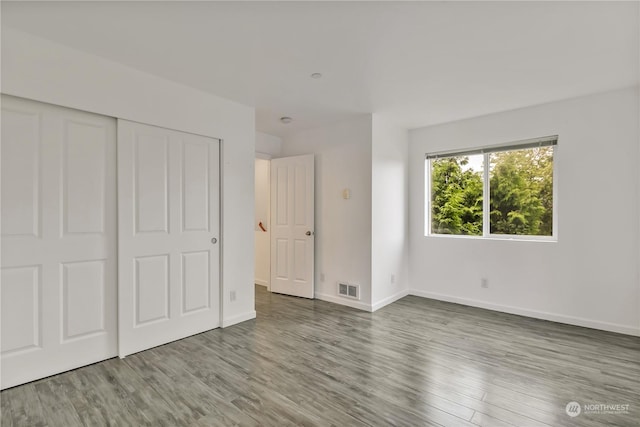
x=349, y=291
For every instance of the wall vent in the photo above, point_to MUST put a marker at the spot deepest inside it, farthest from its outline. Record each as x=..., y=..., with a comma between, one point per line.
x=349, y=291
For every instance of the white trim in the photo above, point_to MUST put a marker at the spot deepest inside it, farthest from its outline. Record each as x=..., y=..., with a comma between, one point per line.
x=222, y=291
x=427, y=197
x=343, y=301
x=388, y=300
x=238, y=319
x=486, y=196
x=545, y=141
x=555, y=200
x=261, y=282
x=503, y=237
x=559, y=318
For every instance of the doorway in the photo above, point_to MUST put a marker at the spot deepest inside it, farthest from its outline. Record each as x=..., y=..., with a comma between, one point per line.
x=262, y=222
x=284, y=225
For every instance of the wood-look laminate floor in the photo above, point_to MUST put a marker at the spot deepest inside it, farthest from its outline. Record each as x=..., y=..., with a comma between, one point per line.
x=416, y=362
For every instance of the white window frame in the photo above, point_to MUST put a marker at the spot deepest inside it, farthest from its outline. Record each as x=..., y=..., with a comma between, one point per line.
x=486, y=224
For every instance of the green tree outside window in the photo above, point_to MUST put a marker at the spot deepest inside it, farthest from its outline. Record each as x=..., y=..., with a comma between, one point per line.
x=520, y=194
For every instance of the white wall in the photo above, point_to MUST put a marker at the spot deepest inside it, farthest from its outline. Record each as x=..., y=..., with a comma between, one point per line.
x=588, y=277
x=343, y=227
x=268, y=145
x=38, y=69
x=389, y=213
x=262, y=214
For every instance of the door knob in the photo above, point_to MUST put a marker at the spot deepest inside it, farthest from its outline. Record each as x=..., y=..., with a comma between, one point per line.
x=308, y=233
x=214, y=240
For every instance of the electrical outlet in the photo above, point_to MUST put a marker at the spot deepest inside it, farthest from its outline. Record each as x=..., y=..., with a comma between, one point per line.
x=393, y=278
x=322, y=277
x=232, y=295
x=484, y=283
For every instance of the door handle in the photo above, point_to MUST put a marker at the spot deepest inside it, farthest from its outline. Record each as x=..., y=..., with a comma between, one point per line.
x=214, y=240
x=308, y=233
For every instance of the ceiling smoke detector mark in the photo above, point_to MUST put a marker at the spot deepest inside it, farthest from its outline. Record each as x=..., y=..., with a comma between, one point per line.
x=349, y=291
x=286, y=120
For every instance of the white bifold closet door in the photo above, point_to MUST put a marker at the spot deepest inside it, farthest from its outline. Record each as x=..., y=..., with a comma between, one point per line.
x=168, y=231
x=58, y=287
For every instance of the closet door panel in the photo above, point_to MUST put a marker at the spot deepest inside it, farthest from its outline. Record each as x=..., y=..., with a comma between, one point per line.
x=58, y=240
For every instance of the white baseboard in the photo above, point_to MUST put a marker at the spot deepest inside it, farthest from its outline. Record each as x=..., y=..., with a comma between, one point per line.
x=388, y=300
x=343, y=301
x=359, y=304
x=238, y=318
x=261, y=282
x=560, y=318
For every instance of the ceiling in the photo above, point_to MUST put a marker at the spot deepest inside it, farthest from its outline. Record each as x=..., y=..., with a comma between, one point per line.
x=419, y=63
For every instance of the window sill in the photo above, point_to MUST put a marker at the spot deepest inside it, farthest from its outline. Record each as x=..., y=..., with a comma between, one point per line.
x=508, y=238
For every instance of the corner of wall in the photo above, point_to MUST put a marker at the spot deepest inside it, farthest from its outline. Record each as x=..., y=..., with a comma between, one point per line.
x=238, y=318
x=269, y=145
x=390, y=211
x=343, y=226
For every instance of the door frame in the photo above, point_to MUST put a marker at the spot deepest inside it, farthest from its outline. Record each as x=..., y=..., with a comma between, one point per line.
x=266, y=156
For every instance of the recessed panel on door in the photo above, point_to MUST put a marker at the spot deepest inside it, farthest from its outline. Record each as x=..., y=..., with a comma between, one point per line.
x=85, y=177
x=151, y=289
x=300, y=200
x=21, y=163
x=151, y=165
x=21, y=309
x=300, y=260
x=282, y=196
x=282, y=259
x=83, y=298
x=195, y=281
x=195, y=187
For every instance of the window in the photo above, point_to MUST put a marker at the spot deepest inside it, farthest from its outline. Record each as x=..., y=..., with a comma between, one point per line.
x=500, y=191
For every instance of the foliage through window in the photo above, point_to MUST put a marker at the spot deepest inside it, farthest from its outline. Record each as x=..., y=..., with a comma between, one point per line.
x=456, y=195
x=514, y=197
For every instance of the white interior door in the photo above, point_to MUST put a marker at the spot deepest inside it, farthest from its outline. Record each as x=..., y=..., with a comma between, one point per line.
x=58, y=285
x=292, y=226
x=168, y=226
